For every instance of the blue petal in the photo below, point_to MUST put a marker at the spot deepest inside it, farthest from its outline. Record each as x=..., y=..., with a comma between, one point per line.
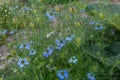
x=51, y=18
x=5, y=31
x=32, y=52
x=68, y=39
x=48, y=15
x=92, y=78
x=45, y=54
x=25, y=61
x=27, y=46
x=66, y=74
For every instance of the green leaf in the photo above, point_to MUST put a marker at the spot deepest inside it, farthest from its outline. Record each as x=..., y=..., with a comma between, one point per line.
x=113, y=49
x=41, y=64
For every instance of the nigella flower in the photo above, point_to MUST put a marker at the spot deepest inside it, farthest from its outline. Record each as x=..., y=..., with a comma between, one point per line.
x=26, y=8
x=14, y=8
x=90, y=76
x=50, y=17
x=27, y=46
x=22, y=62
x=73, y=60
x=46, y=54
x=21, y=46
x=92, y=22
x=62, y=74
x=13, y=32
x=48, y=51
x=32, y=52
x=99, y=28
x=60, y=43
x=5, y=31
x=70, y=38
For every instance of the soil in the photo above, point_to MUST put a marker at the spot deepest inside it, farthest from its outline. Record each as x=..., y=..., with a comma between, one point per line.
x=4, y=51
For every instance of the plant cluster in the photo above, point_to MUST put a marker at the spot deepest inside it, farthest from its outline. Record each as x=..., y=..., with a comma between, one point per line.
x=64, y=42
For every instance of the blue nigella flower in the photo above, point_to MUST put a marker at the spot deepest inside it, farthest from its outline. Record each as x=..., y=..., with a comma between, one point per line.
x=47, y=15
x=90, y=76
x=60, y=43
x=92, y=22
x=99, y=28
x=73, y=60
x=48, y=51
x=13, y=32
x=62, y=74
x=26, y=8
x=27, y=46
x=32, y=52
x=70, y=38
x=5, y=31
x=50, y=17
x=21, y=46
x=46, y=54
x=14, y=8
x=22, y=62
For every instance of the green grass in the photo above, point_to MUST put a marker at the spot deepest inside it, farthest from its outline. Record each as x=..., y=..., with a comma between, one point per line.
x=33, y=27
